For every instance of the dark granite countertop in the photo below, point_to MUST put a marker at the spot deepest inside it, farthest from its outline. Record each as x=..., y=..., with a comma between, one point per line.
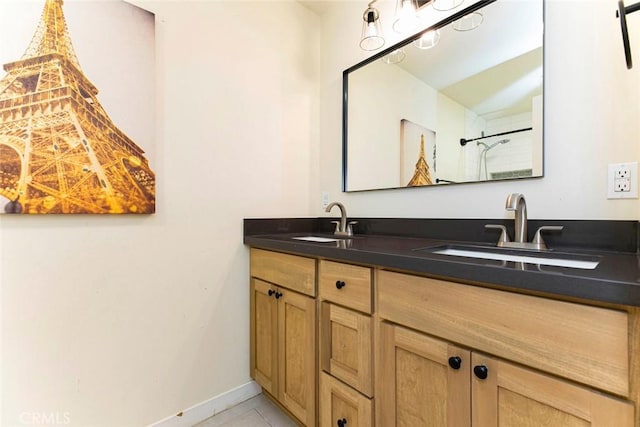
x=616, y=279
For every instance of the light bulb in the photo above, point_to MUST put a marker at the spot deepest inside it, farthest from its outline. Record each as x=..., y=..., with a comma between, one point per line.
x=406, y=17
x=428, y=39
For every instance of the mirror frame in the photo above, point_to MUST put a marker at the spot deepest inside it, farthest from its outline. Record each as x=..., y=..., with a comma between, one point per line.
x=345, y=91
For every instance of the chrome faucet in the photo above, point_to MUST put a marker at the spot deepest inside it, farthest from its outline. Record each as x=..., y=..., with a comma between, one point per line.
x=516, y=202
x=343, y=228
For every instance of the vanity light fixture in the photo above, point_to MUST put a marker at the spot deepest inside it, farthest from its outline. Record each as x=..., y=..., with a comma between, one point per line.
x=394, y=57
x=468, y=22
x=444, y=5
x=428, y=39
x=407, y=18
x=371, y=29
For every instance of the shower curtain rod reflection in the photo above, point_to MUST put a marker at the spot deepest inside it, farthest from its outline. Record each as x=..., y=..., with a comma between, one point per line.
x=464, y=141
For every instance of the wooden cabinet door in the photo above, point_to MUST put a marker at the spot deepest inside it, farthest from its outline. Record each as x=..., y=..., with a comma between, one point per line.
x=511, y=396
x=345, y=346
x=297, y=355
x=415, y=383
x=264, y=335
x=341, y=403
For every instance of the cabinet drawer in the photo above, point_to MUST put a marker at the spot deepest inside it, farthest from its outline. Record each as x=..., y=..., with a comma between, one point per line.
x=583, y=343
x=346, y=350
x=346, y=284
x=340, y=402
x=290, y=271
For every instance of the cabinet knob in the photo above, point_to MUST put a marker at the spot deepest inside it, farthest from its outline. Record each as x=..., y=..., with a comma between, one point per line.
x=340, y=284
x=271, y=292
x=455, y=362
x=278, y=295
x=342, y=422
x=481, y=371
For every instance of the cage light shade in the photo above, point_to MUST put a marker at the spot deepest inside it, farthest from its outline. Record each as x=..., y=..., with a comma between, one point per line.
x=428, y=40
x=406, y=19
x=371, y=30
x=443, y=5
x=394, y=57
x=468, y=22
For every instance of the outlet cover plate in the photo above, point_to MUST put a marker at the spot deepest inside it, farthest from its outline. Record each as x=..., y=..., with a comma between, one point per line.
x=325, y=199
x=613, y=180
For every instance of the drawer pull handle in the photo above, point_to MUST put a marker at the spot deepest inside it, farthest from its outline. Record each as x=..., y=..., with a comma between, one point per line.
x=481, y=372
x=271, y=292
x=342, y=422
x=340, y=284
x=278, y=295
x=455, y=362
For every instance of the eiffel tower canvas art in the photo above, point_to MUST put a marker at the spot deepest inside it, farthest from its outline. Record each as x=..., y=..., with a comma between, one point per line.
x=60, y=152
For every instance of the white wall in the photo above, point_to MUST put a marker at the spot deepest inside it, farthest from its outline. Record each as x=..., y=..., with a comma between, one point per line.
x=591, y=119
x=451, y=124
x=123, y=321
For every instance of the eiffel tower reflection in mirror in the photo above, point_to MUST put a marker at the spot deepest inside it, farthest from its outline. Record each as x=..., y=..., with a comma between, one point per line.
x=59, y=150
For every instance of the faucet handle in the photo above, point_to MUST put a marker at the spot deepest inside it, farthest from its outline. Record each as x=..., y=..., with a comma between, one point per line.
x=504, y=236
x=350, y=227
x=337, y=223
x=537, y=239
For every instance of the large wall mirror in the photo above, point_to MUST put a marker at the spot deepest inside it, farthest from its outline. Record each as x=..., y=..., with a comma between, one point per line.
x=469, y=109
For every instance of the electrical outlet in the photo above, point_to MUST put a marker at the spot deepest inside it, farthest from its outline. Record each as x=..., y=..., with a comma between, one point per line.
x=622, y=171
x=622, y=178
x=622, y=181
x=325, y=199
x=621, y=186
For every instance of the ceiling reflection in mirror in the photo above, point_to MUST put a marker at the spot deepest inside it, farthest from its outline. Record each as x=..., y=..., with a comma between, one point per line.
x=469, y=109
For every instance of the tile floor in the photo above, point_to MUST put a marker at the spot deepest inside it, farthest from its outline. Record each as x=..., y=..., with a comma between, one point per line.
x=255, y=412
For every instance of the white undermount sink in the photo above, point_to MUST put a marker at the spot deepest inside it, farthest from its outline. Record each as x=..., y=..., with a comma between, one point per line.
x=316, y=239
x=584, y=262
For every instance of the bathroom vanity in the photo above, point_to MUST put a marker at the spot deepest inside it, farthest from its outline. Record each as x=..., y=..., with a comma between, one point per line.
x=378, y=329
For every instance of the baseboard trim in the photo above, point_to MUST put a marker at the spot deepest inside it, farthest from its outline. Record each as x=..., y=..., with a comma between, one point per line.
x=200, y=412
